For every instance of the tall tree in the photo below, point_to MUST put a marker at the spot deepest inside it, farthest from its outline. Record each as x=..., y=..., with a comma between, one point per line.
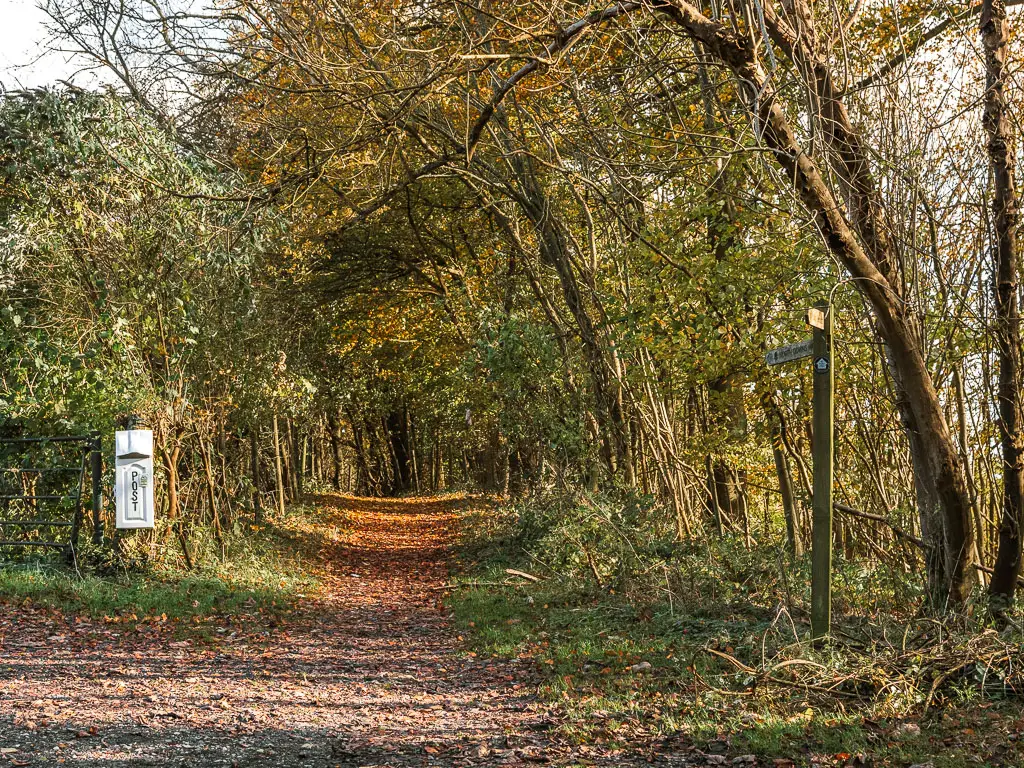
x=997, y=121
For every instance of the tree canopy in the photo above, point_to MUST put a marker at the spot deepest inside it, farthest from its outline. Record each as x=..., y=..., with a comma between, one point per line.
x=520, y=246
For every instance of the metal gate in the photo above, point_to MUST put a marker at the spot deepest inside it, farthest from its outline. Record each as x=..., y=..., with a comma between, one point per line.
x=44, y=483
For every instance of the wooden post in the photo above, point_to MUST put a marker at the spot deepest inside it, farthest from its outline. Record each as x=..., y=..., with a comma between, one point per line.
x=821, y=549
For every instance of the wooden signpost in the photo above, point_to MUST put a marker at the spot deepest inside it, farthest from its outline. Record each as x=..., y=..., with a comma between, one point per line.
x=819, y=347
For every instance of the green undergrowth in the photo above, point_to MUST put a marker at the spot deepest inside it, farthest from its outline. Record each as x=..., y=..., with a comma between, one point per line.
x=706, y=647
x=257, y=572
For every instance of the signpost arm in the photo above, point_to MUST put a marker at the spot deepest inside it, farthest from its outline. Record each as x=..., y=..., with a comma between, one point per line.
x=821, y=556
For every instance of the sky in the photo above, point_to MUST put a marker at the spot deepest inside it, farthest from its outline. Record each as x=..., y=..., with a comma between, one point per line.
x=23, y=37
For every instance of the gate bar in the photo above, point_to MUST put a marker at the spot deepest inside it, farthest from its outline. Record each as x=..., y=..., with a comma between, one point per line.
x=42, y=469
x=23, y=543
x=35, y=523
x=40, y=498
x=56, y=439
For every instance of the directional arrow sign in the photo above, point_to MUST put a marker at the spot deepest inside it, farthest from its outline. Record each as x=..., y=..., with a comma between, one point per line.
x=816, y=318
x=789, y=353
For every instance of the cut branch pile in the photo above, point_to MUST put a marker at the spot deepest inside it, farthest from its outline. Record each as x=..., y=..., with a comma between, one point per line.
x=915, y=676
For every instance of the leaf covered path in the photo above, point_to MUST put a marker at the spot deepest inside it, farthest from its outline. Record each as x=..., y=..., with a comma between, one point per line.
x=365, y=673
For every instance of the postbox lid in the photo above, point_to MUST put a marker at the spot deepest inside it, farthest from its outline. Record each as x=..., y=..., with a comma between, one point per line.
x=133, y=444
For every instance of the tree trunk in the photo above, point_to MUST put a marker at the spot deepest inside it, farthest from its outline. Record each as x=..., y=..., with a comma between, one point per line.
x=367, y=484
x=171, y=467
x=554, y=250
x=278, y=469
x=294, y=463
x=287, y=470
x=211, y=492
x=307, y=462
x=726, y=407
x=796, y=546
x=227, y=512
x=335, y=425
x=998, y=128
x=777, y=429
x=437, y=460
x=972, y=488
x=861, y=245
x=254, y=468
x=174, y=504
x=414, y=454
x=401, y=458
x=725, y=394
x=714, y=504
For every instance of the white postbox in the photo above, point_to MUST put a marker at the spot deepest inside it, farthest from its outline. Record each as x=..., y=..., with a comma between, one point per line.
x=133, y=488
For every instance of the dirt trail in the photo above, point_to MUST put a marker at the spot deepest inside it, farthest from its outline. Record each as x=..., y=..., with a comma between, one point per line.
x=366, y=674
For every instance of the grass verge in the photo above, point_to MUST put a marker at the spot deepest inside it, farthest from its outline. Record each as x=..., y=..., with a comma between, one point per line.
x=670, y=669
x=259, y=572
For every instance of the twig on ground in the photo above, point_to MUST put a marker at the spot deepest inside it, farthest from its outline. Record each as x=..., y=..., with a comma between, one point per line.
x=473, y=584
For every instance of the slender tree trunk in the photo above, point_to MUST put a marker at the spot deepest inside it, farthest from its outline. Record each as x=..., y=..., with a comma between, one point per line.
x=254, y=468
x=294, y=462
x=998, y=128
x=278, y=469
x=174, y=504
x=438, y=463
x=555, y=250
x=414, y=453
x=307, y=468
x=714, y=503
x=796, y=546
x=222, y=449
x=401, y=460
x=211, y=491
x=287, y=471
x=777, y=430
x=725, y=394
x=743, y=509
x=972, y=488
x=367, y=484
x=335, y=426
